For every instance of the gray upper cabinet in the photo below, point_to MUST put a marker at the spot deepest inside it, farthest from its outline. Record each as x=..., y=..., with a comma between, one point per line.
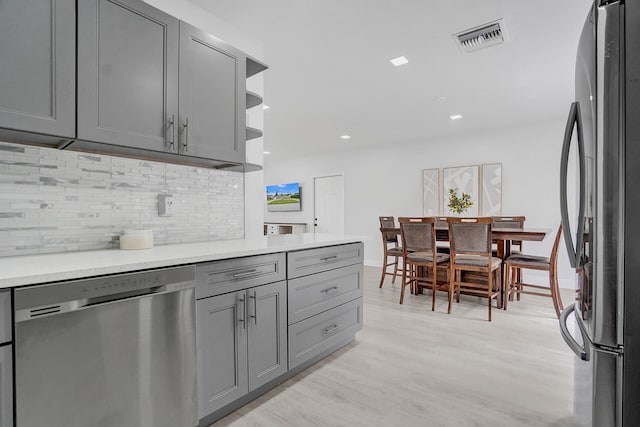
x=37, y=76
x=212, y=97
x=127, y=74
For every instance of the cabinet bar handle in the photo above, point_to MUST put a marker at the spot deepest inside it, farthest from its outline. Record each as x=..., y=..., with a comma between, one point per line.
x=329, y=290
x=329, y=258
x=330, y=329
x=173, y=132
x=186, y=135
x=255, y=308
x=242, y=303
x=245, y=273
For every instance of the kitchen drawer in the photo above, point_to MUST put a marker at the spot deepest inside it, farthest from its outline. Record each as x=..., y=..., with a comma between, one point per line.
x=316, y=334
x=310, y=295
x=220, y=277
x=310, y=261
x=5, y=316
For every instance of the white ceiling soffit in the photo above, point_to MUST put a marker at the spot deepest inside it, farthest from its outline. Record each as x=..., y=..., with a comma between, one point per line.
x=480, y=37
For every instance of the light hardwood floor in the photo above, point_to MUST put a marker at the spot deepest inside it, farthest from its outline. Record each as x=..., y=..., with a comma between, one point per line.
x=410, y=366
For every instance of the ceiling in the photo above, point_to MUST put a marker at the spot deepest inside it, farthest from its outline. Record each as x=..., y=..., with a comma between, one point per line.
x=330, y=73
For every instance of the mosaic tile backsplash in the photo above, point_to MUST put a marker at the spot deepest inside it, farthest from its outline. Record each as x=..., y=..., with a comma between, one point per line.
x=58, y=201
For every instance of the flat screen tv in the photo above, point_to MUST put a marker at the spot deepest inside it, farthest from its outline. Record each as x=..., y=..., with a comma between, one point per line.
x=283, y=197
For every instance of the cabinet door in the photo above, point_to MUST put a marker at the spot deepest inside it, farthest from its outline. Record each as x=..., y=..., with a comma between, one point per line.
x=212, y=97
x=222, y=351
x=6, y=387
x=38, y=71
x=267, y=310
x=127, y=74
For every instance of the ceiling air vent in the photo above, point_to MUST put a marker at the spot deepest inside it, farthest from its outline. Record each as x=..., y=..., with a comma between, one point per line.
x=480, y=37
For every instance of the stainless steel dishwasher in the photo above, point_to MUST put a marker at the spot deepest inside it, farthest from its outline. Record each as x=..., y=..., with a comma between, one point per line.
x=113, y=351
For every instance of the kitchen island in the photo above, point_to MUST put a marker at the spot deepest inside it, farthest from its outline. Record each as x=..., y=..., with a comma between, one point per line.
x=263, y=310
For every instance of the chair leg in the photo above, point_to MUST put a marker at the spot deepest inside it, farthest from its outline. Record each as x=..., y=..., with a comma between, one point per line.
x=395, y=271
x=433, y=288
x=490, y=290
x=384, y=270
x=404, y=283
x=450, y=293
x=518, y=284
x=457, y=287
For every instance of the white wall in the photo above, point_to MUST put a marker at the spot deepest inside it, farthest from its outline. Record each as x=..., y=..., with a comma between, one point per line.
x=388, y=181
x=189, y=12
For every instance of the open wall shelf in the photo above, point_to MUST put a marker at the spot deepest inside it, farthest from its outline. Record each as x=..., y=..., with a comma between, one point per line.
x=253, y=133
x=254, y=66
x=253, y=99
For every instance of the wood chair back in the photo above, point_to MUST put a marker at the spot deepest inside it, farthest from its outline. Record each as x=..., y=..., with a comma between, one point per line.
x=510, y=222
x=418, y=234
x=471, y=236
x=388, y=222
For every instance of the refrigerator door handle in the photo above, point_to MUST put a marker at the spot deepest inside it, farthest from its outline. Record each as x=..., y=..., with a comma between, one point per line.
x=580, y=351
x=572, y=121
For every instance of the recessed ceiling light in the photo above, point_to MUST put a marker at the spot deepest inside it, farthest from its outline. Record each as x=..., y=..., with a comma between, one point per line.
x=455, y=117
x=400, y=60
x=439, y=99
x=345, y=137
x=266, y=152
x=265, y=107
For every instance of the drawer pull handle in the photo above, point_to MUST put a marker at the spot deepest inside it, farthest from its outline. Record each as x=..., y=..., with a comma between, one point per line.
x=331, y=329
x=329, y=258
x=245, y=273
x=329, y=290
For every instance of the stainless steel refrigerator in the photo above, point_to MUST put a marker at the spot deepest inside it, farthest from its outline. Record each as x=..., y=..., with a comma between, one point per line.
x=603, y=236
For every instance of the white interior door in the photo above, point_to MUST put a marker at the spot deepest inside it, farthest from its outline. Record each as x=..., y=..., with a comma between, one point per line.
x=329, y=204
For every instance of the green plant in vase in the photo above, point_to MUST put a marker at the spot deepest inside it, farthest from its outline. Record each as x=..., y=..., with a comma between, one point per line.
x=460, y=204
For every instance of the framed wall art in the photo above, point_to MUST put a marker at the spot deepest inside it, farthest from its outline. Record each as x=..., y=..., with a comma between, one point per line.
x=431, y=192
x=492, y=189
x=460, y=191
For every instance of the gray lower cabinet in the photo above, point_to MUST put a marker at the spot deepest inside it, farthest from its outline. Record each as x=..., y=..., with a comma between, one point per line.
x=242, y=343
x=317, y=334
x=212, y=97
x=6, y=386
x=127, y=74
x=6, y=360
x=325, y=300
x=311, y=261
x=37, y=76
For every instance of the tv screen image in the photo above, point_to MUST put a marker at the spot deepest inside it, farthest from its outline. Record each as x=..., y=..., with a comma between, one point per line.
x=283, y=197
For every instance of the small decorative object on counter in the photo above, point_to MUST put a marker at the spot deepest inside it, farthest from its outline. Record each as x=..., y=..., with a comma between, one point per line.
x=136, y=239
x=460, y=204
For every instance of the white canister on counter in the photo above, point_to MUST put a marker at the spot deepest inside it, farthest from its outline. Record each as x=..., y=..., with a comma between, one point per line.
x=136, y=239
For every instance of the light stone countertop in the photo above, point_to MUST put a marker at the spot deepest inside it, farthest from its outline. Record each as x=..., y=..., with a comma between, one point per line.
x=34, y=269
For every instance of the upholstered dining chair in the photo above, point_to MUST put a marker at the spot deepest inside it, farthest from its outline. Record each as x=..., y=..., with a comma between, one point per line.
x=420, y=257
x=510, y=222
x=392, y=252
x=518, y=262
x=474, y=270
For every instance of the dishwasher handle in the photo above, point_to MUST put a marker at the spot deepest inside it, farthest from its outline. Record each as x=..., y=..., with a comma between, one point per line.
x=32, y=313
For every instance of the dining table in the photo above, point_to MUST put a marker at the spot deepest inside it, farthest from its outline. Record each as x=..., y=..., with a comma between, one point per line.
x=503, y=237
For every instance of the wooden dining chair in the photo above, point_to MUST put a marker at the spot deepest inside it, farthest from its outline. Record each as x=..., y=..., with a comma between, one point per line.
x=474, y=270
x=390, y=247
x=518, y=262
x=420, y=257
x=510, y=222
